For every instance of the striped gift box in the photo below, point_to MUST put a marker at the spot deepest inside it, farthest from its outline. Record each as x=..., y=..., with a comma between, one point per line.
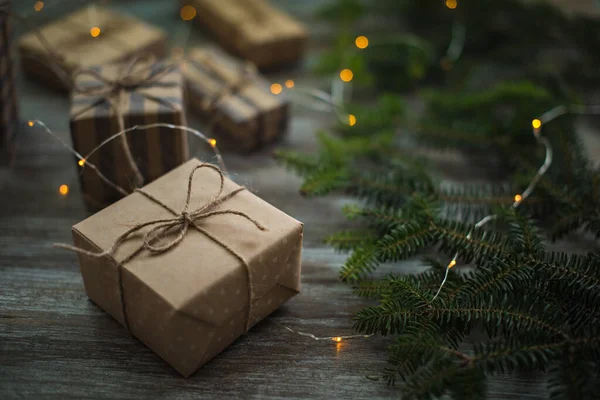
x=156, y=150
x=248, y=116
x=8, y=94
x=121, y=37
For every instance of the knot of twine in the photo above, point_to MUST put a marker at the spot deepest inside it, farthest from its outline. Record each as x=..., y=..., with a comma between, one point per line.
x=154, y=240
x=138, y=73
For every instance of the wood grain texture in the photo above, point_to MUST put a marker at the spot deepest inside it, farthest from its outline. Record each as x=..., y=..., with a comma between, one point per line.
x=54, y=343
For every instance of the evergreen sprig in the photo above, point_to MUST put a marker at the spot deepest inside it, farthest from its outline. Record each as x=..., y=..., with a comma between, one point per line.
x=520, y=306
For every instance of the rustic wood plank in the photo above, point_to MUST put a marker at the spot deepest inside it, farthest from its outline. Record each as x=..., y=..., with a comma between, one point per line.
x=54, y=343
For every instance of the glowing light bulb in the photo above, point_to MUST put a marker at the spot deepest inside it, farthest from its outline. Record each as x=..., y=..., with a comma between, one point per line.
x=289, y=84
x=30, y=123
x=361, y=42
x=346, y=75
x=536, y=123
x=38, y=6
x=451, y=4
x=63, y=189
x=351, y=120
x=518, y=198
x=212, y=142
x=336, y=339
x=276, y=88
x=452, y=264
x=95, y=31
x=187, y=13
x=81, y=162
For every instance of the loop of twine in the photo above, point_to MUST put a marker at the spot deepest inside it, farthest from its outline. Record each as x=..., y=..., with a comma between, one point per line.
x=181, y=222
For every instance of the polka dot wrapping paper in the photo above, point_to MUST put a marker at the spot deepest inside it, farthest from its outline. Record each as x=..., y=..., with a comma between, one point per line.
x=190, y=302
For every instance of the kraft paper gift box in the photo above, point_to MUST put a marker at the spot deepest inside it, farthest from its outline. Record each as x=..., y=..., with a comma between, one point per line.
x=94, y=119
x=190, y=302
x=121, y=37
x=234, y=100
x=8, y=94
x=253, y=30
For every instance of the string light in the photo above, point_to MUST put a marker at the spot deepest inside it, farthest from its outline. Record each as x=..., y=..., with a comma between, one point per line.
x=95, y=31
x=289, y=84
x=451, y=264
x=81, y=162
x=38, y=6
x=337, y=339
x=351, y=120
x=276, y=88
x=451, y=4
x=212, y=142
x=187, y=13
x=346, y=75
x=63, y=189
x=536, y=123
x=361, y=42
x=518, y=198
x=30, y=123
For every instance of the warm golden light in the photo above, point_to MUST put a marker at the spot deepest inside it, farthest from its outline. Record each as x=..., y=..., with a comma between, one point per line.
x=187, y=13
x=38, y=6
x=30, y=123
x=81, y=162
x=351, y=120
x=289, y=84
x=518, y=198
x=346, y=75
x=536, y=123
x=452, y=264
x=212, y=142
x=361, y=42
x=451, y=4
x=337, y=339
x=63, y=189
x=276, y=88
x=95, y=31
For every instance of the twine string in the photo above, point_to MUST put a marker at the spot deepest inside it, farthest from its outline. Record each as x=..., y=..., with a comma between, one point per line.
x=154, y=239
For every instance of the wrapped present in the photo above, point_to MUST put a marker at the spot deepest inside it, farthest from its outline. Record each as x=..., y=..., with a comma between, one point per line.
x=253, y=30
x=233, y=99
x=87, y=37
x=106, y=100
x=189, y=263
x=8, y=94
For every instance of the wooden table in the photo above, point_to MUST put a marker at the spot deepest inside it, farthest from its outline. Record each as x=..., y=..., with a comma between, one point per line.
x=54, y=343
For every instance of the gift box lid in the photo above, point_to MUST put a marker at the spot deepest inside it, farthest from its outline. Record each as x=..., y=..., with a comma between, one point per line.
x=199, y=276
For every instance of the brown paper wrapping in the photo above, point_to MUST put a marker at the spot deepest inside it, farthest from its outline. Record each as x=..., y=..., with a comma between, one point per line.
x=8, y=94
x=121, y=38
x=253, y=30
x=189, y=303
x=156, y=151
x=244, y=120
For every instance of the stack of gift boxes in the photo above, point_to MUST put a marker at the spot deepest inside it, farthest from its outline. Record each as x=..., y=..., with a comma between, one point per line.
x=218, y=274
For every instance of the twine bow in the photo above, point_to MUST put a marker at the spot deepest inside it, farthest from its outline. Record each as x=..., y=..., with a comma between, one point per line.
x=138, y=73
x=154, y=239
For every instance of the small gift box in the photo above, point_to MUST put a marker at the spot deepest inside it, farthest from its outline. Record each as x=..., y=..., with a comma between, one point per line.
x=106, y=100
x=253, y=30
x=90, y=36
x=234, y=100
x=8, y=93
x=189, y=263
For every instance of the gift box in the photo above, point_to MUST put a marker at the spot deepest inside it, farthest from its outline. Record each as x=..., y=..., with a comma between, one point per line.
x=105, y=100
x=234, y=100
x=253, y=30
x=190, y=262
x=8, y=93
x=87, y=37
